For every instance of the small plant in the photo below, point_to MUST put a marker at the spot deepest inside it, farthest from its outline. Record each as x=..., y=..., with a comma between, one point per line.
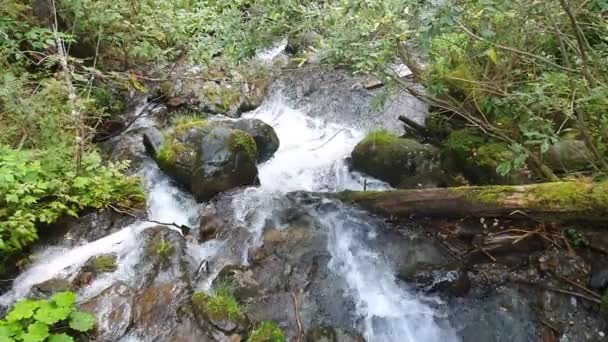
x=220, y=303
x=267, y=332
x=52, y=320
x=577, y=239
x=163, y=249
x=242, y=141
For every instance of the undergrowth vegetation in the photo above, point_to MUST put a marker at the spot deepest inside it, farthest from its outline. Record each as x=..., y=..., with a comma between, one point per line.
x=52, y=320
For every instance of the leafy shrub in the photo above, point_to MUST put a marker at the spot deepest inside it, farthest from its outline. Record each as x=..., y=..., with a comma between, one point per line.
x=52, y=320
x=39, y=186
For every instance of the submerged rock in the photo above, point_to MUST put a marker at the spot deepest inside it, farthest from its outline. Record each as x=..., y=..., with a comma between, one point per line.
x=49, y=287
x=403, y=163
x=447, y=279
x=105, y=263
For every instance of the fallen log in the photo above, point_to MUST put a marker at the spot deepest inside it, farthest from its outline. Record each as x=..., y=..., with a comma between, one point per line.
x=558, y=201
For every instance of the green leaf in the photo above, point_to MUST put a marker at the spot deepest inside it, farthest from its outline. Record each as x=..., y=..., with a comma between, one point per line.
x=82, y=321
x=36, y=332
x=51, y=314
x=64, y=299
x=8, y=330
x=492, y=55
x=22, y=310
x=60, y=338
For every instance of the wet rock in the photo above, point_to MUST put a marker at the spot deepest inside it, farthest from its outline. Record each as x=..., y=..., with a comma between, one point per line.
x=448, y=279
x=403, y=163
x=241, y=280
x=49, y=287
x=162, y=314
x=96, y=265
x=113, y=308
x=90, y=226
x=599, y=279
x=331, y=334
x=163, y=255
x=209, y=159
x=265, y=137
x=152, y=139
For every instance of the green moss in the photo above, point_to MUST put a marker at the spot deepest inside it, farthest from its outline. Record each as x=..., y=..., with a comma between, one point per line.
x=267, y=332
x=220, y=304
x=581, y=195
x=104, y=263
x=241, y=141
x=171, y=147
x=486, y=194
x=359, y=196
x=381, y=137
x=162, y=248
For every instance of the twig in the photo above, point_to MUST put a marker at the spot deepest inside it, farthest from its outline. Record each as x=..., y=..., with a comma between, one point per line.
x=571, y=282
x=576, y=294
x=326, y=142
x=296, y=309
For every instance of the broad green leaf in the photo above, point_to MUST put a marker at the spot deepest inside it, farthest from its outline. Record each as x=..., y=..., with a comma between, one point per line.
x=50, y=314
x=36, y=332
x=22, y=310
x=64, y=299
x=60, y=338
x=82, y=321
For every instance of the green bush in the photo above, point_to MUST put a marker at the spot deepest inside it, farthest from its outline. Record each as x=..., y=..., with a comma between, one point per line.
x=39, y=186
x=52, y=320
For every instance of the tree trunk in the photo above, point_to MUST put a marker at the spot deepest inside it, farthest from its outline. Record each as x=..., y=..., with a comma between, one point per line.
x=558, y=201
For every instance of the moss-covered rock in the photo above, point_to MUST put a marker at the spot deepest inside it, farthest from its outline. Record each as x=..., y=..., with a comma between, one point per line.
x=403, y=163
x=208, y=157
x=266, y=139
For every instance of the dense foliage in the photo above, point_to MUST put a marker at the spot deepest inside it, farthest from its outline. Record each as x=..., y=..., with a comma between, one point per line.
x=52, y=320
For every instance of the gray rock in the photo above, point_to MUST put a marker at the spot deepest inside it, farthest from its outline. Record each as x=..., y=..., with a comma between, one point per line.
x=241, y=281
x=49, y=287
x=446, y=279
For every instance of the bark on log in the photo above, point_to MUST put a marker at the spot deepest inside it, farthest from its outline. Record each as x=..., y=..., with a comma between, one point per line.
x=558, y=201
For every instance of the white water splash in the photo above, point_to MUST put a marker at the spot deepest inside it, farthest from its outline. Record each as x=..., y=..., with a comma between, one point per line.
x=312, y=157
x=166, y=203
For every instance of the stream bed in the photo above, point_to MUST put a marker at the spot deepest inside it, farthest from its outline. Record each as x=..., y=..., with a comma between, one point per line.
x=338, y=261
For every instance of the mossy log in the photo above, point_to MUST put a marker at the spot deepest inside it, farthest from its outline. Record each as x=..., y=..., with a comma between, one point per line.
x=558, y=201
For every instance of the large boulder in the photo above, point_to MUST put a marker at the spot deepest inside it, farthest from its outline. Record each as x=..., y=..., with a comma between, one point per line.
x=263, y=134
x=209, y=158
x=403, y=163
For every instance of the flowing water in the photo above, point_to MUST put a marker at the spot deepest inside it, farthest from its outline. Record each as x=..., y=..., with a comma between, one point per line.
x=311, y=157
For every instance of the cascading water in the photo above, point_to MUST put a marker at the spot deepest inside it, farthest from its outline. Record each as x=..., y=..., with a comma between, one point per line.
x=311, y=157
